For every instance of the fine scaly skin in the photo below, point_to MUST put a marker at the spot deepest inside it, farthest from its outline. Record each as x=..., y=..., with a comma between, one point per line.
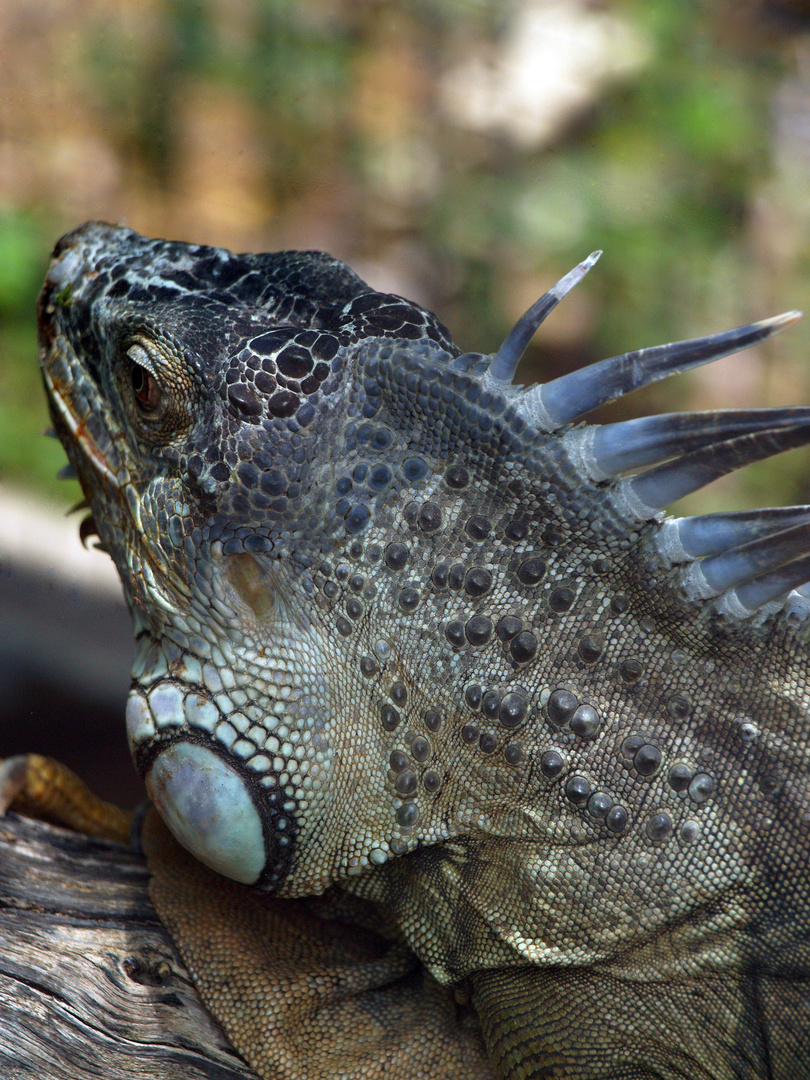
x=409, y=632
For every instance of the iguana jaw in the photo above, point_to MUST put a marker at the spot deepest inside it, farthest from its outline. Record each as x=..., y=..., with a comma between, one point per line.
x=74, y=430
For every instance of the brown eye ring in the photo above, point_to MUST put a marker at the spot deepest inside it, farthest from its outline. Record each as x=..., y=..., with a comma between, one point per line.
x=145, y=388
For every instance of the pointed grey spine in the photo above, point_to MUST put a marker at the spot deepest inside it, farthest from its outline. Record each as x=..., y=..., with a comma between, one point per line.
x=572, y=396
x=506, y=359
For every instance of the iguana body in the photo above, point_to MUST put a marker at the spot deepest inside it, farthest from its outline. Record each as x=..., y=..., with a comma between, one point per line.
x=404, y=632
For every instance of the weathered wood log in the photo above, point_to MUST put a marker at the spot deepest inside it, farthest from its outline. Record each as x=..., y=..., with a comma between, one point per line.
x=90, y=984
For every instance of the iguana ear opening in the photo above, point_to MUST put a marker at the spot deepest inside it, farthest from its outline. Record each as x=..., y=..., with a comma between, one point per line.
x=254, y=584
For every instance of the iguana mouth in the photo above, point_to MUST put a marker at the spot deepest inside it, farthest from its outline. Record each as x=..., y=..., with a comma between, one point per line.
x=78, y=430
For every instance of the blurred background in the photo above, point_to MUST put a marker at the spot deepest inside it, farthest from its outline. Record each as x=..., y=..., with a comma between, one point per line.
x=465, y=154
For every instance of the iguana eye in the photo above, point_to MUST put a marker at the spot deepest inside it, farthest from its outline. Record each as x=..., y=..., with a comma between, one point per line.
x=145, y=388
x=154, y=389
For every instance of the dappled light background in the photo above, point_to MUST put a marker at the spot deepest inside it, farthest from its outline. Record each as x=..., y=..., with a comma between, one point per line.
x=463, y=154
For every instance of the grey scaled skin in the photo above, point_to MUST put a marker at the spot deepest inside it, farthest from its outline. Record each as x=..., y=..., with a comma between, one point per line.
x=409, y=631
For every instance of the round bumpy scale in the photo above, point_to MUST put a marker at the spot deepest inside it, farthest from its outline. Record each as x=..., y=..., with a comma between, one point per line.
x=585, y=722
x=407, y=815
x=473, y=695
x=439, y=576
x=455, y=576
x=616, y=819
x=523, y=648
x=408, y=599
x=678, y=707
x=433, y=720
x=701, y=787
x=590, y=648
x=680, y=776
x=398, y=761
x=561, y=599
x=508, y=627
x=491, y=704
x=406, y=782
x=531, y=572
x=599, y=804
x=420, y=748
x=354, y=609
x=513, y=754
x=551, y=764
x=431, y=781
x=561, y=707
x=647, y=760
x=578, y=790
x=516, y=531
x=631, y=670
x=512, y=710
x=396, y=556
x=478, y=581
x=457, y=477
x=430, y=517
x=390, y=717
x=478, y=630
x=769, y=784
x=478, y=528
x=689, y=831
x=488, y=743
x=368, y=666
x=659, y=827
x=414, y=469
x=399, y=694
x=631, y=745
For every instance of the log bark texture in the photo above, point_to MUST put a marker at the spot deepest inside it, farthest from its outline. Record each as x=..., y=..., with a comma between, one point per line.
x=90, y=983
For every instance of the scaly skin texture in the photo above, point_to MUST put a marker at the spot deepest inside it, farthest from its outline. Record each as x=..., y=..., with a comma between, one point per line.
x=400, y=636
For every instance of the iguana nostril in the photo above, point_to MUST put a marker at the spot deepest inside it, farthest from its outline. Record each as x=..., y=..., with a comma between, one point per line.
x=208, y=808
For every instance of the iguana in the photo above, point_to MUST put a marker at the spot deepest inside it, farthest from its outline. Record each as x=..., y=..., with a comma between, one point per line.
x=416, y=641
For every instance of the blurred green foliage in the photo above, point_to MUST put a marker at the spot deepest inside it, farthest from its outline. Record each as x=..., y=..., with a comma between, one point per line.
x=24, y=455
x=663, y=171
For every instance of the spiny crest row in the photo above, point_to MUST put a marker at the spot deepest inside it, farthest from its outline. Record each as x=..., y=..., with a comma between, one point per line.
x=744, y=561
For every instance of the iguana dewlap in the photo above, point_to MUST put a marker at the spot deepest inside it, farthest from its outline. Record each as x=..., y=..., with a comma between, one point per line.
x=408, y=631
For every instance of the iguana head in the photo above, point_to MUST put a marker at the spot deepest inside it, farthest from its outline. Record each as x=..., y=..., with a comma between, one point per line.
x=366, y=569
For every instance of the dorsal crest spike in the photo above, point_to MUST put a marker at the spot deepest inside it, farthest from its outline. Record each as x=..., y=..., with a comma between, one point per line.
x=571, y=396
x=506, y=359
x=680, y=540
x=731, y=569
x=665, y=484
x=632, y=444
x=776, y=584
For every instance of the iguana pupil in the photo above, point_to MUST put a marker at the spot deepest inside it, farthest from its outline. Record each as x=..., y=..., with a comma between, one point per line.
x=145, y=388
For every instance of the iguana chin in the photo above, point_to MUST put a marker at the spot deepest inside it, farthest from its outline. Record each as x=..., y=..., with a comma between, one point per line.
x=410, y=633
